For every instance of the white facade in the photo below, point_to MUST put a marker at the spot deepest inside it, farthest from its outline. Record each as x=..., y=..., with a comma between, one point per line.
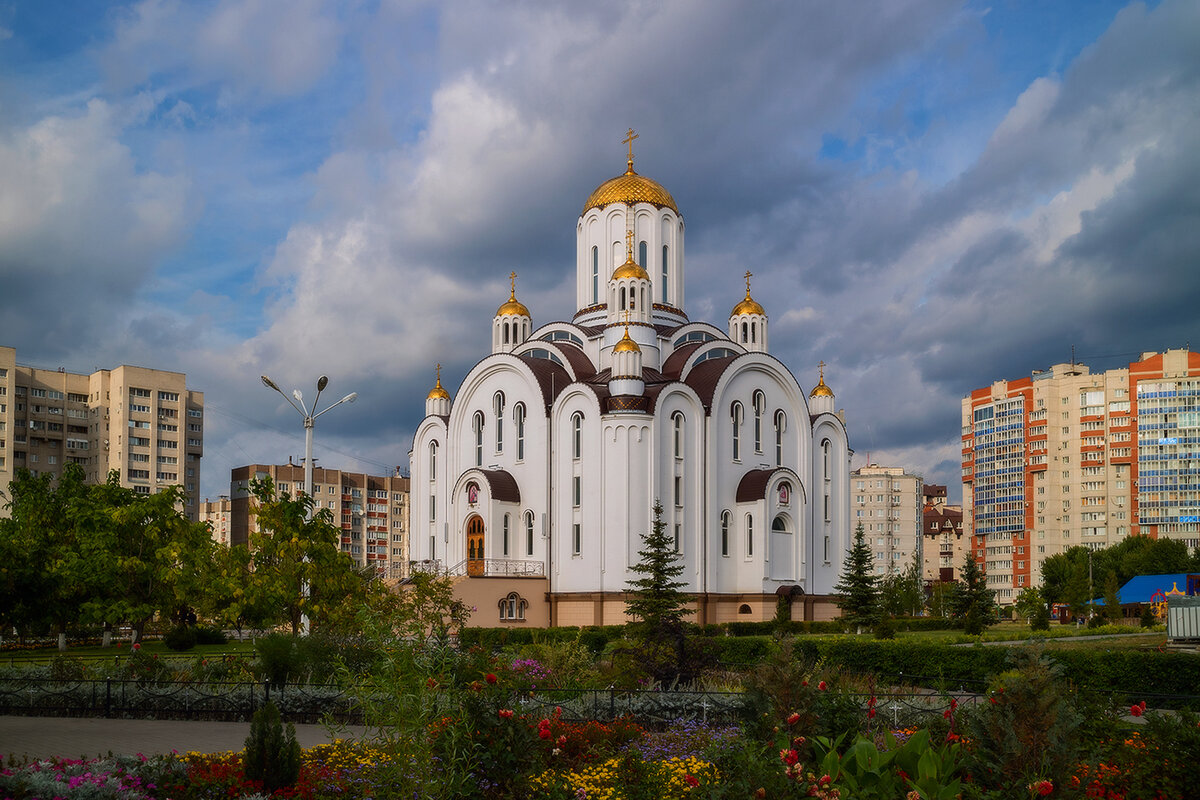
x=550, y=456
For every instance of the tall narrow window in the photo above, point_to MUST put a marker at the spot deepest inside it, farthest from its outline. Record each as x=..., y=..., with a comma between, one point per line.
x=735, y=413
x=677, y=531
x=760, y=404
x=622, y=306
x=780, y=427
x=433, y=448
x=577, y=493
x=726, y=522
x=825, y=455
x=677, y=434
x=664, y=275
x=749, y=535
x=504, y=537
x=477, y=426
x=576, y=539
x=498, y=407
x=745, y=333
x=678, y=491
x=519, y=421
x=528, y=533
x=642, y=254
x=577, y=435
x=595, y=274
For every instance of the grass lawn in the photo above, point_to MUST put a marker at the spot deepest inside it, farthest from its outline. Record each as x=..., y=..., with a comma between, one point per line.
x=30, y=657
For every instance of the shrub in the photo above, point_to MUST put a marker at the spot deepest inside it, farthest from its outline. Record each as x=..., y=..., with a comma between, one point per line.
x=66, y=668
x=207, y=635
x=272, y=754
x=278, y=658
x=885, y=628
x=180, y=638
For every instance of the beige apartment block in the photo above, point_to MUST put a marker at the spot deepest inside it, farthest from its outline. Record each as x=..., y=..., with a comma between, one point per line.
x=143, y=423
x=887, y=501
x=945, y=544
x=371, y=510
x=1066, y=457
x=218, y=515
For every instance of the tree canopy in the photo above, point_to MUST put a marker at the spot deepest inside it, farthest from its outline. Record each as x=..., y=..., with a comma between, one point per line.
x=858, y=595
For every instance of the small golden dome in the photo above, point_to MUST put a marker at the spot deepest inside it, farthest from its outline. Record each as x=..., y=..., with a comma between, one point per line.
x=626, y=345
x=630, y=269
x=821, y=390
x=513, y=307
x=630, y=189
x=437, y=392
x=749, y=305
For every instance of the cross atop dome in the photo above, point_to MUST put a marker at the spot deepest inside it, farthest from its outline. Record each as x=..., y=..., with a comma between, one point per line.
x=629, y=137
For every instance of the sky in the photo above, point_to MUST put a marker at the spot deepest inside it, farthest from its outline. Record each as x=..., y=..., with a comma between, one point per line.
x=932, y=195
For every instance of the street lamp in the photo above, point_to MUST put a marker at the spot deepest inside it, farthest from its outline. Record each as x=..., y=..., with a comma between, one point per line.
x=309, y=420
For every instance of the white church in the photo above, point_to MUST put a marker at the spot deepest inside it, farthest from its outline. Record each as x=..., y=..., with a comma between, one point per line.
x=536, y=480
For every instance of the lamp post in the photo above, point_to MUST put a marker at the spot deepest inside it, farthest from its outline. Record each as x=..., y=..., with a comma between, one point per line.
x=309, y=421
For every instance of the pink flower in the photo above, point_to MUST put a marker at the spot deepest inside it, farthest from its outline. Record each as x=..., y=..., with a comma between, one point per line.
x=562, y=740
x=822, y=686
x=506, y=713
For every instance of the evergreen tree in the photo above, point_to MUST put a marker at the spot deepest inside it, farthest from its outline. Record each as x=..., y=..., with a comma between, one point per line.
x=1112, y=598
x=656, y=603
x=974, y=602
x=858, y=596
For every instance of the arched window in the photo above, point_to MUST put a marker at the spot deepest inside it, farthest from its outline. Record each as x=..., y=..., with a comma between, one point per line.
x=595, y=274
x=760, y=405
x=753, y=332
x=622, y=306
x=528, y=533
x=749, y=536
x=726, y=524
x=512, y=607
x=825, y=455
x=643, y=290
x=632, y=298
x=664, y=275
x=504, y=534
x=745, y=333
x=825, y=447
x=576, y=435
x=677, y=434
x=504, y=325
x=780, y=427
x=519, y=420
x=433, y=448
x=642, y=254
x=498, y=407
x=477, y=429
x=735, y=413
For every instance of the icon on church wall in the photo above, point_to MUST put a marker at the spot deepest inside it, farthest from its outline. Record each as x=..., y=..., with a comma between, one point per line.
x=472, y=493
x=785, y=494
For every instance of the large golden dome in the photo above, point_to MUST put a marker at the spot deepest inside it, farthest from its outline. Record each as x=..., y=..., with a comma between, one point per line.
x=630, y=189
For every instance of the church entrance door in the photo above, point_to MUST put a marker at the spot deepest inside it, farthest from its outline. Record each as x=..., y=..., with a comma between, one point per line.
x=475, y=546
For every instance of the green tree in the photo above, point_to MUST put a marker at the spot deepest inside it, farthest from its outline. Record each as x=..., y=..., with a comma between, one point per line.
x=296, y=564
x=856, y=591
x=1112, y=598
x=974, y=603
x=1028, y=601
x=656, y=603
x=901, y=593
x=941, y=598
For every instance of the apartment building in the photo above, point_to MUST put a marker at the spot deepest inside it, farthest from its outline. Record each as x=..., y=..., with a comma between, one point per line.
x=944, y=544
x=145, y=424
x=887, y=501
x=371, y=510
x=218, y=516
x=1066, y=457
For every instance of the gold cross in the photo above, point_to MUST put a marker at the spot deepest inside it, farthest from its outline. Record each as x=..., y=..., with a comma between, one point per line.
x=821, y=367
x=629, y=244
x=512, y=278
x=629, y=137
x=439, y=374
x=749, y=274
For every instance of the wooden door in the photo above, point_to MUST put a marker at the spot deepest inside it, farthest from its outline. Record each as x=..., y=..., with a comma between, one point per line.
x=475, y=551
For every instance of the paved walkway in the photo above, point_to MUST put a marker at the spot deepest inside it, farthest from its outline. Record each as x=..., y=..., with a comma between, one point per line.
x=42, y=737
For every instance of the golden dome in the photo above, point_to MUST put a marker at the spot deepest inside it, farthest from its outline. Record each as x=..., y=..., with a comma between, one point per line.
x=626, y=345
x=630, y=269
x=513, y=307
x=749, y=305
x=437, y=392
x=630, y=189
x=821, y=390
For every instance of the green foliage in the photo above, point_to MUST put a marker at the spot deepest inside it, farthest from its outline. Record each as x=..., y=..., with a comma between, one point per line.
x=857, y=594
x=973, y=602
x=1027, y=730
x=1040, y=621
x=657, y=606
x=1148, y=620
x=272, y=755
x=207, y=635
x=278, y=658
x=903, y=593
x=885, y=628
x=865, y=772
x=1112, y=598
x=180, y=638
x=1064, y=575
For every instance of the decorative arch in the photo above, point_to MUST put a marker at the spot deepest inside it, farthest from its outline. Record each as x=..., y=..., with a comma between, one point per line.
x=476, y=543
x=512, y=607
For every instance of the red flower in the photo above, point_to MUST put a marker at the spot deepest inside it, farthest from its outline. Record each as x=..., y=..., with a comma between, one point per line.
x=946, y=713
x=544, y=733
x=953, y=704
x=789, y=757
x=691, y=780
x=793, y=718
x=562, y=741
x=871, y=713
x=871, y=702
x=1042, y=787
x=903, y=775
x=137, y=645
x=490, y=677
x=825, y=779
x=805, y=683
x=822, y=686
x=1137, y=709
x=506, y=713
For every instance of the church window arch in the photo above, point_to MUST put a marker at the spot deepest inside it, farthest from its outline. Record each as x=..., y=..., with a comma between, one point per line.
x=736, y=415
x=780, y=427
x=512, y=607
x=528, y=533
x=826, y=476
x=498, y=407
x=576, y=435
x=519, y=424
x=744, y=608
x=622, y=304
x=477, y=430
x=642, y=253
x=749, y=536
x=595, y=274
x=664, y=274
x=643, y=292
x=524, y=331
x=753, y=333
x=504, y=532
x=726, y=524
x=504, y=328
x=433, y=453
x=677, y=434
x=760, y=405
x=745, y=333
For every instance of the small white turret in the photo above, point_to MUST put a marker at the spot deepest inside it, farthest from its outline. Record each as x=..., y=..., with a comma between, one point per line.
x=821, y=399
x=512, y=324
x=748, y=322
x=626, y=376
x=438, y=401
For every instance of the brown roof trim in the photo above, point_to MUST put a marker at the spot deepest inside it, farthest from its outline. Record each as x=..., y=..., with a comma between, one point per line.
x=502, y=484
x=704, y=378
x=753, y=485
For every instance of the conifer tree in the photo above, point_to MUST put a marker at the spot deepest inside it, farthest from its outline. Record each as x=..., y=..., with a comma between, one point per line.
x=858, y=596
x=974, y=602
x=656, y=604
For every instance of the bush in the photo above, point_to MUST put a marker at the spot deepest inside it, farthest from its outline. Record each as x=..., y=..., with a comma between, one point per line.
x=885, y=629
x=271, y=755
x=278, y=658
x=180, y=638
x=207, y=635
